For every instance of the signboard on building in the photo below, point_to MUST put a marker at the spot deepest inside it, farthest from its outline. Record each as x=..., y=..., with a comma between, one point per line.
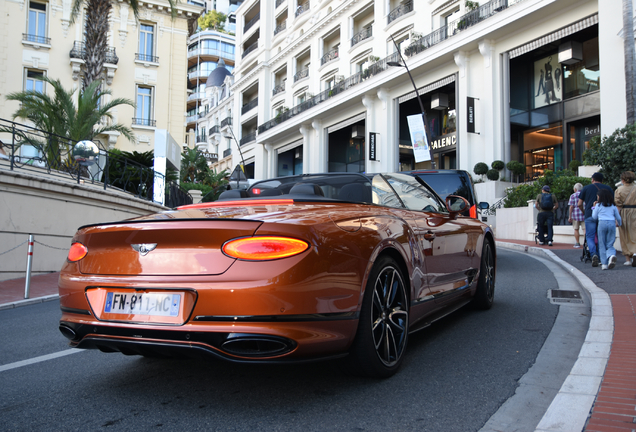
x=470, y=121
x=445, y=142
x=372, y=145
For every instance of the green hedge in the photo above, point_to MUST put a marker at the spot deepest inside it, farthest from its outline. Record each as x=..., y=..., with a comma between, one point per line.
x=561, y=184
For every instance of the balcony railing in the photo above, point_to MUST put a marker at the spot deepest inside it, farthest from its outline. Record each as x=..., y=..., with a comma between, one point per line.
x=331, y=55
x=198, y=74
x=249, y=106
x=280, y=27
x=195, y=96
x=214, y=129
x=278, y=89
x=439, y=35
x=304, y=73
x=144, y=122
x=201, y=138
x=251, y=22
x=227, y=152
x=362, y=35
x=402, y=9
x=302, y=8
x=35, y=38
x=226, y=122
x=248, y=138
x=192, y=118
x=146, y=58
x=249, y=49
x=79, y=52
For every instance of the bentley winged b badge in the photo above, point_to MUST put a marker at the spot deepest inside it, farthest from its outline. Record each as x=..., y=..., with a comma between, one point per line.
x=144, y=248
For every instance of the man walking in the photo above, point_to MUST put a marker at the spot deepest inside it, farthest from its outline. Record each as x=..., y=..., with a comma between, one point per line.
x=587, y=198
x=546, y=203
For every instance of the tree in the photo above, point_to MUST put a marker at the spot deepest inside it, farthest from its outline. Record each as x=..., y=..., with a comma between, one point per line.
x=615, y=153
x=63, y=120
x=213, y=20
x=96, y=33
x=194, y=166
x=630, y=57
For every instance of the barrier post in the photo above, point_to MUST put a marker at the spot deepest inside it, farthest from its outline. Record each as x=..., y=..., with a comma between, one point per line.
x=27, y=284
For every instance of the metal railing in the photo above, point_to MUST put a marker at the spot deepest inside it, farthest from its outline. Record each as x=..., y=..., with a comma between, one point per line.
x=454, y=27
x=248, y=138
x=79, y=52
x=35, y=38
x=251, y=22
x=303, y=73
x=144, y=122
x=278, y=89
x=146, y=58
x=248, y=106
x=39, y=152
x=226, y=122
x=483, y=12
x=301, y=9
x=280, y=27
x=249, y=49
x=331, y=55
x=362, y=35
x=227, y=152
x=201, y=138
x=402, y=9
x=214, y=129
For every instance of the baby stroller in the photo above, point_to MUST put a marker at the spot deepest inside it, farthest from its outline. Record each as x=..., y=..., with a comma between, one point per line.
x=585, y=253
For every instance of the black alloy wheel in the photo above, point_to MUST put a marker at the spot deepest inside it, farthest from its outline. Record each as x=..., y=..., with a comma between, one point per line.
x=384, y=322
x=485, y=294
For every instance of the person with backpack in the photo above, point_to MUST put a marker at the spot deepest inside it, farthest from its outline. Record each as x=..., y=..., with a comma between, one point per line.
x=606, y=213
x=587, y=198
x=546, y=203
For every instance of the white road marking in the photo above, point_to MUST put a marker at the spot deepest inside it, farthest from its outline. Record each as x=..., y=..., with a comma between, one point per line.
x=39, y=359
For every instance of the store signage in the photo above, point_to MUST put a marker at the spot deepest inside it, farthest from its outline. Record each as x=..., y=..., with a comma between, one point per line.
x=419, y=139
x=471, y=115
x=445, y=141
x=372, y=145
x=592, y=131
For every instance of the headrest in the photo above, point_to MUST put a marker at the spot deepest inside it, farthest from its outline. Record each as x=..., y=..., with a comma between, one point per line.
x=306, y=189
x=233, y=194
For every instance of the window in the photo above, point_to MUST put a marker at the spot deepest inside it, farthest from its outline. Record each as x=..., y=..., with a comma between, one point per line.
x=146, y=43
x=144, y=107
x=36, y=31
x=33, y=80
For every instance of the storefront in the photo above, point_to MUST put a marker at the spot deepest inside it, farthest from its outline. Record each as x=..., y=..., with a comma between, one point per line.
x=290, y=159
x=346, y=143
x=439, y=101
x=555, y=98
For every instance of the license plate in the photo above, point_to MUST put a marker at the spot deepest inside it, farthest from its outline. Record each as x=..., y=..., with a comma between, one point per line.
x=153, y=304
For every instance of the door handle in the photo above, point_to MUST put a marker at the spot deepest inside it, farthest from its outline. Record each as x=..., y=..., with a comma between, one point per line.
x=430, y=235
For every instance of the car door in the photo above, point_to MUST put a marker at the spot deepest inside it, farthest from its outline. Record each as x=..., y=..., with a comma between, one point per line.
x=444, y=239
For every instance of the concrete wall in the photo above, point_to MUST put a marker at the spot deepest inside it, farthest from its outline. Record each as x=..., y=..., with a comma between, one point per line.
x=52, y=209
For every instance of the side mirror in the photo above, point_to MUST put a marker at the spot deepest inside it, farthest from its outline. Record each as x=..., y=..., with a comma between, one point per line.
x=456, y=204
x=483, y=205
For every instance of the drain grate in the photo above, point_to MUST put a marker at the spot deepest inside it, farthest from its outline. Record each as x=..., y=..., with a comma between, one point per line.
x=564, y=296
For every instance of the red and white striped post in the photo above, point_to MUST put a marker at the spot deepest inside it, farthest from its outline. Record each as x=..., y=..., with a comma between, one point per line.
x=27, y=285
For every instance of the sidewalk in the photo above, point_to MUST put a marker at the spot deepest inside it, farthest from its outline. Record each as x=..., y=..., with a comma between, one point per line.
x=614, y=407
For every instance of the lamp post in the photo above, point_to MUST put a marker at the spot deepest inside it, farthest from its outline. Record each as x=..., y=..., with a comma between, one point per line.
x=417, y=95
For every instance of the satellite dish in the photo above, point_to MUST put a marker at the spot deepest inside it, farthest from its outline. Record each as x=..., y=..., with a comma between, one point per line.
x=85, y=152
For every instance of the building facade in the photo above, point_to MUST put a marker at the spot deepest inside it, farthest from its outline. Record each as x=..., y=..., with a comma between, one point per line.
x=146, y=61
x=318, y=85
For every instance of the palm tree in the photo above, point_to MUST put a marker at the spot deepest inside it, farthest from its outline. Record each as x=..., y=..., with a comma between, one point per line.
x=96, y=31
x=630, y=73
x=62, y=120
x=194, y=166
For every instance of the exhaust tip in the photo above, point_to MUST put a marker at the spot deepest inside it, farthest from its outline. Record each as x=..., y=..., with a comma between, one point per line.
x=68, y=332
x=257, y=345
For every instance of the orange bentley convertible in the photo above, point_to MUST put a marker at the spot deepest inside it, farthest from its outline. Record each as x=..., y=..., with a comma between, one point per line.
x=297, y=268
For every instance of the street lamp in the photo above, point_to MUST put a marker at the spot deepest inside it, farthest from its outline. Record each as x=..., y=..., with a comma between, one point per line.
x=417, y=95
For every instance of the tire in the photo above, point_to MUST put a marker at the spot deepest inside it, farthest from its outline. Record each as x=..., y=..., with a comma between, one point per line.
x=485, y=293
x=382, y=336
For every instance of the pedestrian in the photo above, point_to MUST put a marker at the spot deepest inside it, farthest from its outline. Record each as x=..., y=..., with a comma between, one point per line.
x=575, y=215
x=587, y=198
x=625, y=198
x=546, y=203
x=606, y=213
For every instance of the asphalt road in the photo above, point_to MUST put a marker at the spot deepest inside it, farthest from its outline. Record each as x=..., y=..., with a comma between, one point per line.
x=456, y=375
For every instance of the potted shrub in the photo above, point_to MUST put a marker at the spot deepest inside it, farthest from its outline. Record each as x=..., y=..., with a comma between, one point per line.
x=480, y=168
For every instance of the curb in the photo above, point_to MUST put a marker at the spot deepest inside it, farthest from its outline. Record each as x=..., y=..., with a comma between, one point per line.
x=573, y=403
x=27, y=302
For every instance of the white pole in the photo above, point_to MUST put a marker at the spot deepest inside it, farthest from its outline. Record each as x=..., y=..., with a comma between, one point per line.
x=27, y=285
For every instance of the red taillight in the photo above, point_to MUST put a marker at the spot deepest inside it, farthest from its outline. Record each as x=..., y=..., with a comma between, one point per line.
x=264, y=248
x=77, y=252
x=256, y=191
